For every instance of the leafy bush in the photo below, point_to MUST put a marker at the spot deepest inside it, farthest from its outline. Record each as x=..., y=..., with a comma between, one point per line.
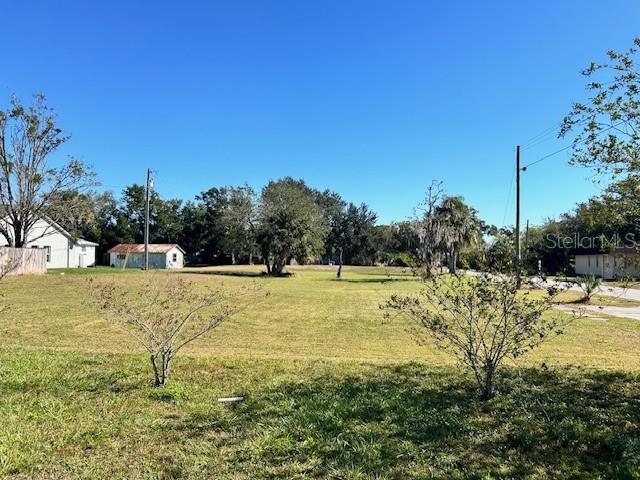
x=590, y=285
x=481, y=321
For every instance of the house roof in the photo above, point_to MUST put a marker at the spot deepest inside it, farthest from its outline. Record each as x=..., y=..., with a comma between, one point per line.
x=86, y=243
x=78, y=241
x=139, y=248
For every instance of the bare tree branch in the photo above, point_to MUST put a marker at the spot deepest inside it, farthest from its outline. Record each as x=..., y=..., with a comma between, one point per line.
x=30, y=187
x=167, y=313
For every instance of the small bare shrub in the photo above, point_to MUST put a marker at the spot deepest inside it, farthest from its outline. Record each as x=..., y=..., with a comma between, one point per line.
x=626, y=282
x=481, y=321
x=166, y=313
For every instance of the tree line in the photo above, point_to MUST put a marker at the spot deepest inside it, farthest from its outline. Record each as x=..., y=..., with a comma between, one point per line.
x=289, y=220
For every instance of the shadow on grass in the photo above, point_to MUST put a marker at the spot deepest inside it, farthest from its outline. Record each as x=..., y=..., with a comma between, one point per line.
x=321, y=420
x=578, y=301
x=403, y=422
x=228, y=273
x=393, y=273
x=374, y=280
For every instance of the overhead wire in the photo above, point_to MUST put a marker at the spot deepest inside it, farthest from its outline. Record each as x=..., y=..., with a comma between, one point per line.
x=541, y=159
x=507, y=210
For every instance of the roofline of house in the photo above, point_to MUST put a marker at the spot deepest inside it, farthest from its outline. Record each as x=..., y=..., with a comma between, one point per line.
x=173, y=245
x=86, y=243
x=61, y=230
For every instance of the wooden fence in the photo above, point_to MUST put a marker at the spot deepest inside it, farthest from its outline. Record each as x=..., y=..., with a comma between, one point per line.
x=20, y=261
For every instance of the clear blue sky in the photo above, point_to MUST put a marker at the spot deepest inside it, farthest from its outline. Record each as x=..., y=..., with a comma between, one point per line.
x=372, y=99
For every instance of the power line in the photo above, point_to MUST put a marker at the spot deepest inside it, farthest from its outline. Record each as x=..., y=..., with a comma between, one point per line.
x=568, y=147
x=547, y=156
x=536, y=138
x=507, y=210
x=540, y=141
x=546, y=135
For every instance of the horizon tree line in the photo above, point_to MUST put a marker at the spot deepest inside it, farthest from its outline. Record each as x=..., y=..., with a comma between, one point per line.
x=290, y=220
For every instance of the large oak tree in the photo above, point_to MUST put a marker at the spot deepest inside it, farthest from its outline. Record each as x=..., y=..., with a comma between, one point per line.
x=290, y=224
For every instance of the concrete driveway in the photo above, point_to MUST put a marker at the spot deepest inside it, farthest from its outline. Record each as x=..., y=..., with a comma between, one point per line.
x=617, y=292
x=632, y=313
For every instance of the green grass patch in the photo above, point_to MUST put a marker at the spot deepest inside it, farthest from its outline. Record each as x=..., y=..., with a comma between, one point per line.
x=71, y=415
x=332, y=391
x=100, y=270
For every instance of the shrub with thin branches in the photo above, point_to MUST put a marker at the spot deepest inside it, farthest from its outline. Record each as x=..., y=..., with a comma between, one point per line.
x=481, y=321
x=166, y=313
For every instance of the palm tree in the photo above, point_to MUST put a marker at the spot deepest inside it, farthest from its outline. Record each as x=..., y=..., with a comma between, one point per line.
x=459, y=227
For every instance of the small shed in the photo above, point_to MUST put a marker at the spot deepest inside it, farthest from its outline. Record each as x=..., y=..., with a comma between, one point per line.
x=161, y=255
x=608, y=264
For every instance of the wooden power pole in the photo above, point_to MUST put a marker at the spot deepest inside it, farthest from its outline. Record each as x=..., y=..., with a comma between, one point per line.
x=146, y=220
x=517, y=233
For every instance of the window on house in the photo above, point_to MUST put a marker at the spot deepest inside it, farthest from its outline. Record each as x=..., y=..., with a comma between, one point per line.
x=121, y=257
x=48, y=250
x=589, y=262
x=175, y=257
x=83, y=249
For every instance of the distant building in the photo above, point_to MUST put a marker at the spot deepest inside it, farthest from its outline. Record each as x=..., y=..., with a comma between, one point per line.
x=63, y=250
x=161, y=255
x=608, y=264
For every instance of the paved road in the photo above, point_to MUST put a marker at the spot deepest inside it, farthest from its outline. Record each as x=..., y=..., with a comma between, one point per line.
x=632, y=313
x=609, y=291
x=623, y=312
x=629, y=293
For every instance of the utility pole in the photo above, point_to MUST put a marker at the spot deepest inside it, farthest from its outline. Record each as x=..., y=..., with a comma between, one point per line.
x=146, y=220
x=517, y=259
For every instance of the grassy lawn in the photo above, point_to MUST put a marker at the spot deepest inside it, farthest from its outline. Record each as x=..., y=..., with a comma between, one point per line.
x=333, y=391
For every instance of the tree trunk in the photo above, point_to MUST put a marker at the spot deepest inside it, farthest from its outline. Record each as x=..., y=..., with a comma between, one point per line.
x=453, y=261
x=278, y=267
x=339, y=266
x=488, y=391
x=18, y=237
x=156, y=370
x=165, y=367
x=160, y=368
x=233, y=257
x=250, y=258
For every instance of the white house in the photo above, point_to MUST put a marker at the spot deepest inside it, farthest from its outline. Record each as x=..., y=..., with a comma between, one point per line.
x=609, y=265
x=63, y=249
x=161, y=255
